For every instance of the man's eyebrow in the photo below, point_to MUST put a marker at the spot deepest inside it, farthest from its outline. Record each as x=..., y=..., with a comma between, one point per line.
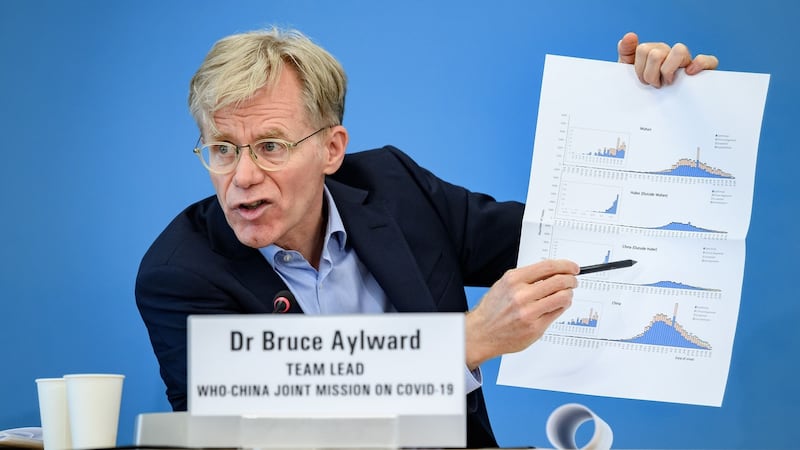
x=267, y=134
x=270, y=134
x=220, y=138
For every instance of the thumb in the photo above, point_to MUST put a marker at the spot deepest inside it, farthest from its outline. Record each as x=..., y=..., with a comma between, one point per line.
x=626, y=48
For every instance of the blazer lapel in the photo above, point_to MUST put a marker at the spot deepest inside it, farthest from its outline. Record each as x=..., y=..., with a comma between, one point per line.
x=247, y=264
x=382, y=248
x=256, y=274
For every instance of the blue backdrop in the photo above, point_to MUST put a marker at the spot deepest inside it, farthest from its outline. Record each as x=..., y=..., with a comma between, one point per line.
x=97, y=159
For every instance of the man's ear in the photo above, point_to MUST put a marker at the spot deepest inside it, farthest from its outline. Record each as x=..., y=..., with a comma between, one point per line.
x=335, y=146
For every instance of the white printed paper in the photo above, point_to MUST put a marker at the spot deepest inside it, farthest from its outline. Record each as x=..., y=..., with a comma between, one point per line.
x=665, y=177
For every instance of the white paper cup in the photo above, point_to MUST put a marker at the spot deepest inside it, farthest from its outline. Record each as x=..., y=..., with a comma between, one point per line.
x=53, y=413
x=93, y=401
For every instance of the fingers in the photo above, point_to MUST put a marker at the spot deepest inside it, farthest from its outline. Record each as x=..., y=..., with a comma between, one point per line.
x=678, y=57
x=536, y=308
x=542, y=270
x=656, y=63
x=545, y=286
x=551, y=293
x=533, y=300
x=647, y=60
x=701, y=63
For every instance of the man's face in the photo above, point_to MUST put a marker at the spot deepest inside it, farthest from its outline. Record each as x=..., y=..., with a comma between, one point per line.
x=282, y=207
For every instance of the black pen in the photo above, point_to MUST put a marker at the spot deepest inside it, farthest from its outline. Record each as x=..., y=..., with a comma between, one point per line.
x=607, y=266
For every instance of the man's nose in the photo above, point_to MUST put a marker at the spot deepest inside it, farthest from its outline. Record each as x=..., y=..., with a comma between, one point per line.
x=247, y=172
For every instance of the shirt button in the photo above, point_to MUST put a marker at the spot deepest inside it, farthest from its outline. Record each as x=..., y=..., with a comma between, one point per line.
x=287, y=257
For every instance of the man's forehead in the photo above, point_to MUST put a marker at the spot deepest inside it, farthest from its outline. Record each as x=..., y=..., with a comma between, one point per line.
x=271, y=111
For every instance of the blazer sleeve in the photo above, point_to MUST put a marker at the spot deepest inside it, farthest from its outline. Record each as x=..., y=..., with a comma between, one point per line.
x=166, y=295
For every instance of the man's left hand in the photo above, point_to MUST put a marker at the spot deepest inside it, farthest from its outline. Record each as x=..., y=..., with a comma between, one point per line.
x=655, y=63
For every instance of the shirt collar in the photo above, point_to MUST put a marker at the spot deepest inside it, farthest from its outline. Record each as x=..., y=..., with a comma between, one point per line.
x=335, y=229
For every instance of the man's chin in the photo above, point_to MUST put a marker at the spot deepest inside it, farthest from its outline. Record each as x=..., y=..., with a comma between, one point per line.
x=249, y=238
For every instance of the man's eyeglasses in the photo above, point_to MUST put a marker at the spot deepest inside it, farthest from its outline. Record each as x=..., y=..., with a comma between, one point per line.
x=269, y=154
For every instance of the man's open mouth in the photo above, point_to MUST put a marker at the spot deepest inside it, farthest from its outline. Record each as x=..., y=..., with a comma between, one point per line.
x=253, y=205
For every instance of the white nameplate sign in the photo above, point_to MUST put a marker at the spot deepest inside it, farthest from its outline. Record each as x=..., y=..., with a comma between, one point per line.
x=301, y=365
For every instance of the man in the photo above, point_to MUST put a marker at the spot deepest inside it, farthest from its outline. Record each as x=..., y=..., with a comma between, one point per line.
x=367, y=232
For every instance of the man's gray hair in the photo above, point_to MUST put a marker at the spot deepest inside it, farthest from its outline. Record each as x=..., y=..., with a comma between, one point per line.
x=239, y=65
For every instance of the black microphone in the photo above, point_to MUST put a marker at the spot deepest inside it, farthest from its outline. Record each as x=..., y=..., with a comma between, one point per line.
x=282, y=302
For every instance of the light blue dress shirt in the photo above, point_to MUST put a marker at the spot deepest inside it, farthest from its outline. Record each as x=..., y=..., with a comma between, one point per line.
x=342, y=285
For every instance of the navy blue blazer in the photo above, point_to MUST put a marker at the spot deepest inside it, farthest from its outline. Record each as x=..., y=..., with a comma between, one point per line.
x=422, y=238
